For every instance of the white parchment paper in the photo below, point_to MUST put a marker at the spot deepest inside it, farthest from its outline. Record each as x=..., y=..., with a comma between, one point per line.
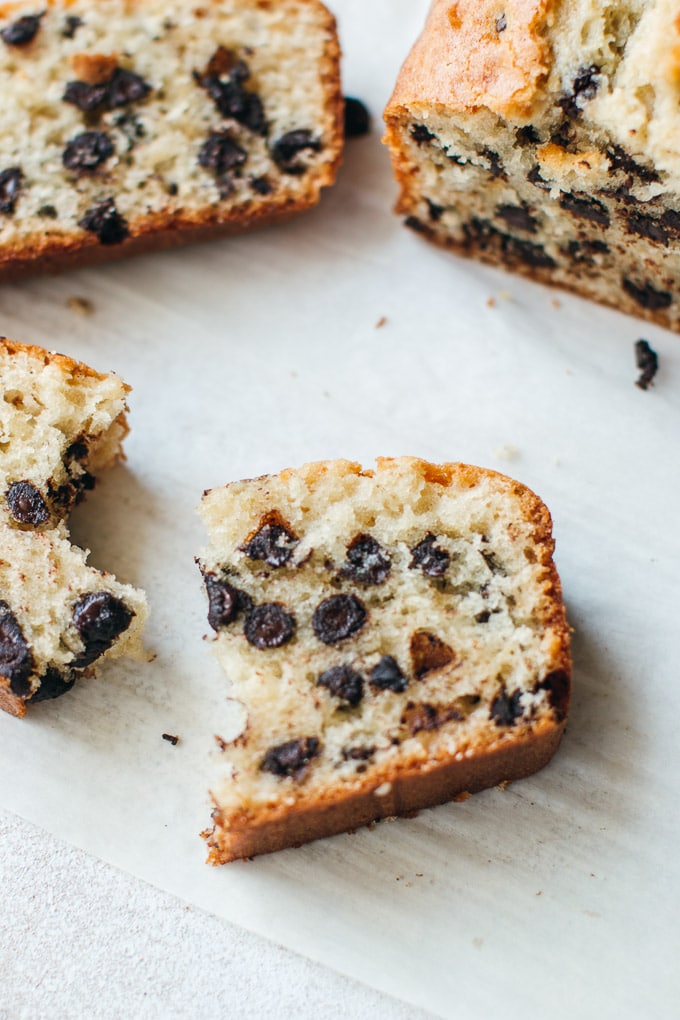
x=558, y=896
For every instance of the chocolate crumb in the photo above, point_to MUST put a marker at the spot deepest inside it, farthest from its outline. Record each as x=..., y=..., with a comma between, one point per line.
x=647, y=361
x=171, y=738
x=357, y=118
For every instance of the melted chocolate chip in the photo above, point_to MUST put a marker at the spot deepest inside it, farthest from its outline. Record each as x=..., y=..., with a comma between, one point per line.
x=517, y=217
x=621, y=160
x=269, y=626
x=71, y=26
x=224, y=601
x=647, y=361
x=647, y=296
x=99, y=618
x=53, y=684
x=261, y=185
x=10, y=186
x=26, y=504
x=429, y=652
x=432, y=559
x=274, y=542
x=16, y=660
x=557, y=685
x=221, y=153
x=223, y=80
x=286, y=150
x=671, y=220
x=343, y=682
x=421, y=135
x=387, y=676
x=22, y=31
x=290, y=758
x=583, y=88
x=368, y=563
x=357, y=118
x=106, y=222
x=122, y=88
x=87, y=151
x=506, y=708
x=646, y=226
x=585, y=208
x=338, y=617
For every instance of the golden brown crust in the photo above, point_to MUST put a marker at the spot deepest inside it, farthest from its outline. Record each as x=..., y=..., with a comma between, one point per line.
x=154, y=232
x=462, y=62
x=409, y=791
x=10, y=702
x=77, y=369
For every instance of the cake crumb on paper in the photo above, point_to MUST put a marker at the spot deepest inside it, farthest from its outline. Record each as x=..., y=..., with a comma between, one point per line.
x=80, y=305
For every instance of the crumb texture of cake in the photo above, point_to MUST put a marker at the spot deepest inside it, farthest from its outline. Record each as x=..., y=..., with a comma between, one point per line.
x=60, y=421
x=396, y=637
x=128, y=126
x=542, y=136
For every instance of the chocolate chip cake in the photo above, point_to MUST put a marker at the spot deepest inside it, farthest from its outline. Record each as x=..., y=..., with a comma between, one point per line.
x=129, y=126
x=542, y=135
x=60, y=421
x=397, y=637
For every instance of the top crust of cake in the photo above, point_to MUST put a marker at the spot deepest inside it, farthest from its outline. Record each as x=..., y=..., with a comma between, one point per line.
x=519, y=60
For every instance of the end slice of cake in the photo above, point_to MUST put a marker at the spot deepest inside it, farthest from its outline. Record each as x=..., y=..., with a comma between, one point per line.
x=396, y=636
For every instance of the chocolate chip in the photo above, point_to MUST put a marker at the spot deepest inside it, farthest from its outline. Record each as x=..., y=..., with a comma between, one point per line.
x=99, y=617
x=436, y=211
x=421, y=135
x=432, y=559
x=518, y=217
x=361, y=752
x=221, y=153
x=368, y=563
x=290, y=758
x=483, y=617
x=53, y=684
x=131, y=127
x=534, y=177
x=583, y=88
x=646, y=226
x=585, y=208
x=338, y=617
x=122, y=88
x=647, y=296
x=71, y=26
x=621, y=160
x=413, y=223
x=583, y=251
x=505, y=708
x=171, y=738
x=286, y=150
x=387, y=676
x=492, y=562
x=224, y=601
x=557, y=685
x=428, y=652
x=16, y=660
x=501, y=23
x=357, y=118
x=10, y=186
x=495, y=167
x=274, y=542
x=671, y=220
x=343, y=682
x=223, y=81
x=647, y=361
x=22, y=31
x=48, y=211
x=418, y=717
x=525, y=251
x=261, y=185
x=26, y=504
x=87, y=151
x=106, y=222
x=269, y=626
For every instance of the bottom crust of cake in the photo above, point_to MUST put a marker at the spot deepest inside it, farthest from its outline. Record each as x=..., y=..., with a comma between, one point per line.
x=407, y=793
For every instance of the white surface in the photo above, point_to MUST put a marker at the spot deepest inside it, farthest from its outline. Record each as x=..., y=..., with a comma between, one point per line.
x=559, y=895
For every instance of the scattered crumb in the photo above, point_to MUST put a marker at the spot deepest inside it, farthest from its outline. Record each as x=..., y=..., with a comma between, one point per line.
x=461, y=797
x=556, y=461
x=80, y=305
x=221, y=742
x=171, y=739
x=381, y=322
x=491, y=303
x=504, y=295
x=555, y=303
x=647, y=361
x=419, y=874
x=477, y=942
x=508, y=452
x=409, y=885
x=504, y=784
x=539, y=893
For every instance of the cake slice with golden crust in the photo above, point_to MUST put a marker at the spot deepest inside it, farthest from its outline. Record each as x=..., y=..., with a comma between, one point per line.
x=396, y=636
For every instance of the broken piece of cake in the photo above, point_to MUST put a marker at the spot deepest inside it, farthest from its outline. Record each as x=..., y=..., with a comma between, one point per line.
x=396, y=636
x=543, y=137
x=60, y=421
x=128, y=127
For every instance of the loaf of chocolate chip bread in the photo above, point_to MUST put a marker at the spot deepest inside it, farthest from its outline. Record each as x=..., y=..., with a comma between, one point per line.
x=543, y=136
x=58, y=616
x=397, y=637
x=129, y=126
x=60, y=422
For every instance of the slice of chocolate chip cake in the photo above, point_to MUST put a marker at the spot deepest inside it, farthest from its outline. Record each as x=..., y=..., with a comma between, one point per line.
x=60, y=422
x=58, y=617
x=129, y=126
x=542, y=135
x=397, y=637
